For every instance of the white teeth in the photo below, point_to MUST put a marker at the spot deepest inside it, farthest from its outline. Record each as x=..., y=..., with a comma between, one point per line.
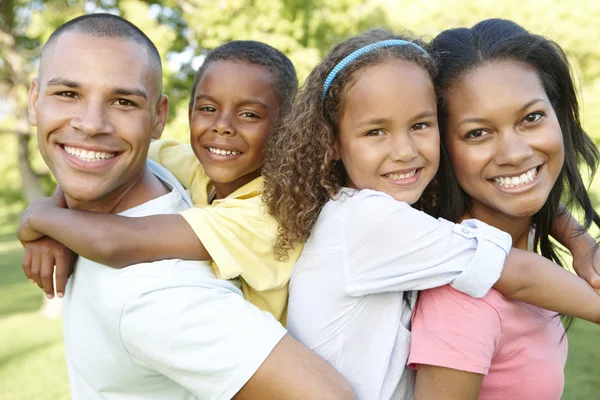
x=223, y=152
x=514, y=181
x=402, y=176
x=88, y=155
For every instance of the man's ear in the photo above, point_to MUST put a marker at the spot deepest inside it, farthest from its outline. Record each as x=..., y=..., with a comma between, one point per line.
x=34, y=94
x=160, y=118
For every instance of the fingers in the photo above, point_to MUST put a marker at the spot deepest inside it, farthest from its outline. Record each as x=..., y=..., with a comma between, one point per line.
x=36, y=265
x=47, y=274
x=26, y=264
x=62, y=272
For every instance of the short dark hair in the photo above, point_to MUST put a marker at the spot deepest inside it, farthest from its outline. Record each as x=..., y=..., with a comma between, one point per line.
x=256, y=53
x=104, y=25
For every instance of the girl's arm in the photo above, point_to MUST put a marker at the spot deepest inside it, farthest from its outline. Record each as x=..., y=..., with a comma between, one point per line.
x=112, y=240
x=584, y=248
x=439, y=383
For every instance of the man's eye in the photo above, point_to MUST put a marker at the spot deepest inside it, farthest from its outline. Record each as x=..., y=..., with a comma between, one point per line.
x=420, y=126
x=124, y=102
x=207, y=109
x=68, y=94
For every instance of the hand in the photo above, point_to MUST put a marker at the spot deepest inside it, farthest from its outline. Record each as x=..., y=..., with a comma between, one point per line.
x=41, y=258
x=25, y=232
x=587, y=265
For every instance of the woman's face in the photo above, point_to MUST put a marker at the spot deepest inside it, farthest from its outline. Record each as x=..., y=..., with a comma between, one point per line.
x=504, y=139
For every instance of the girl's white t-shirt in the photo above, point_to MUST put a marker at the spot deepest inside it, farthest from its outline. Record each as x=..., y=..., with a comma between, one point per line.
x=366, y=251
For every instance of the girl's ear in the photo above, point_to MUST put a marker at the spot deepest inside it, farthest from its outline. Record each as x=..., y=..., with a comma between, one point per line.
x=337, y=150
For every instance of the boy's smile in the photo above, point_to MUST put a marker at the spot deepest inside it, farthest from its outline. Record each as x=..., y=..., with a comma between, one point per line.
x=235, y=108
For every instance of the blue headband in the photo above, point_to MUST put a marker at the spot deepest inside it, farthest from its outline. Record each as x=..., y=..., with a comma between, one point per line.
x=355, y=54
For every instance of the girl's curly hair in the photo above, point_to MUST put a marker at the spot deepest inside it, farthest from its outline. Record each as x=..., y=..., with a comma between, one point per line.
x=301, y=170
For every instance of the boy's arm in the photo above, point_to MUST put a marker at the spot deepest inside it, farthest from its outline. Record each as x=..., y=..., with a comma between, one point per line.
x=113, y=240
x=584, y=248
x=533, y=279
x=438, y=383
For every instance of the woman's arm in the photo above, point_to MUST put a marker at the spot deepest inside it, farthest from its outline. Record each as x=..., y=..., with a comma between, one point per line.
x=584, y=248
x=439, y=383
x=533, y=279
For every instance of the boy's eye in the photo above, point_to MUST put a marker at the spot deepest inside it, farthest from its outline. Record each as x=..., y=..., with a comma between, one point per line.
x=476, y=133
x=374, y=132
x=533, y=117
x=420, y=126
x=249, y=114
x=210, y=109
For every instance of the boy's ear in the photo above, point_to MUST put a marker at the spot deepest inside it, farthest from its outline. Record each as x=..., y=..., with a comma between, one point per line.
x=161, y=115
x=34, y=94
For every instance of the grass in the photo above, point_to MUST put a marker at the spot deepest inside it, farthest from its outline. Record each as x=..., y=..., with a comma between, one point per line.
x=32, y=362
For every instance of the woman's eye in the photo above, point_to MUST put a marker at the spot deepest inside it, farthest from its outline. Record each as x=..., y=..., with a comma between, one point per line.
x=420, y=126
x=533, y=117
x=374, y=132
x=476, y=134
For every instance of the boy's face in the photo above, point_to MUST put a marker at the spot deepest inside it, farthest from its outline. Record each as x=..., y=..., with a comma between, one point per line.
x=95, y=108
x=234, y=110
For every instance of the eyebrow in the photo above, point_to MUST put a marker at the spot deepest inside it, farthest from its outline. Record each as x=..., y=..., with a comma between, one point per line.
x=381, y=121
x=243, y=102
x=485, y=121
x=63, y=82
x=76, y=85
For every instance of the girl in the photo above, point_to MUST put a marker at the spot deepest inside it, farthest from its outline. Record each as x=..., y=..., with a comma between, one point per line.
x=361, y=142
x=509, y=117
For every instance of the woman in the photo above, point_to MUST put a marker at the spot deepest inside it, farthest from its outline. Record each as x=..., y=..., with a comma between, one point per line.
x=510, y=123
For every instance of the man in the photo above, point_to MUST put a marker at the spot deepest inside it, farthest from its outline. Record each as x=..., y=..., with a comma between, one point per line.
x=164, y=330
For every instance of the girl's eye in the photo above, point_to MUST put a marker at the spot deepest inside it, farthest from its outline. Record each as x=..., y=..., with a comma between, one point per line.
x=475, y=134
x=533, y=117
x=420, y=126
x=248, y=114
x=374, y=132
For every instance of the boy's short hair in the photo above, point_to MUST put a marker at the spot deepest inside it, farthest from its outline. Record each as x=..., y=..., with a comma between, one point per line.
x=256, y=53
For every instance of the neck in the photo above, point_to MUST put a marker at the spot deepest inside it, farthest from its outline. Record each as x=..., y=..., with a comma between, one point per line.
x=144, y=188
x=225, y=189
x=517, y=227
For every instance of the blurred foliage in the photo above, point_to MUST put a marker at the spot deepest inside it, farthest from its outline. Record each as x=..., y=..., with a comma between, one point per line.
x=185, y=30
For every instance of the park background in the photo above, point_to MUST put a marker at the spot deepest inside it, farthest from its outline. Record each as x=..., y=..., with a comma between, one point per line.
x=32, y=362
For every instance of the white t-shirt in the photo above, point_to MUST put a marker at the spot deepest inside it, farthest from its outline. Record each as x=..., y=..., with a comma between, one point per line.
x=364, y=254
x=163, y=330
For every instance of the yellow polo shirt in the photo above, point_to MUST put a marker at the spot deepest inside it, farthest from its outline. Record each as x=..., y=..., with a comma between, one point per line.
x=236, y=231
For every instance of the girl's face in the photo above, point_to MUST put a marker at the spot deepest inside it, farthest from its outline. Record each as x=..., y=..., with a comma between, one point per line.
x=388, y=131
x=504, y=139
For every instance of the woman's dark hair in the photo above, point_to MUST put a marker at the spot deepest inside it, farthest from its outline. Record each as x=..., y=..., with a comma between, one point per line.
x=301, y=170
x=462, y=50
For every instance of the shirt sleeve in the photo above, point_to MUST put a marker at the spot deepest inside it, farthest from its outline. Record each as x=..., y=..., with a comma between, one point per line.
x=239, y=236
x=179, y=158
x=453, y=330
x=209, y=340
x=389, y=246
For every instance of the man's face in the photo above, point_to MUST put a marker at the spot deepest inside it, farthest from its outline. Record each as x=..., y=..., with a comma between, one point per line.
x=96, y=105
